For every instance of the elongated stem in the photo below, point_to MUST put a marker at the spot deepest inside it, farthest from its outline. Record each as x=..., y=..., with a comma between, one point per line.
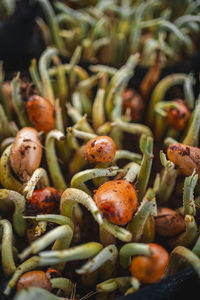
x=7, y=197
x=44, y=63
x=161, y=107
x=78, y=161
x=51, y=19
x=136, y=226
x=6, y=130
x=76, y=117
x=98, y=113
x=71, y=196
x=120, y=78
x=188, y=194
x=148, y=235
x=188, y=91
x=133, y=172
x=109, y=253
x=78, y=180
x=168, y=25
x=58, y=219
x=5, y=143
x=146, y=146
x=30, y=264
x=61, y=88
x=35, y=75
x=185, y=254
x=112, y=284
x=125, y=154
x=60, y=232
x=179, y=22
x=18, y=103
x=6, y=178
x=196, y=248
x=160, y=91
x=32, y=292
x=39, y=175
x=192, y=135
x=52, y=161
x=168, y=179
x=132, y=249
x=81, y=134
x=133, y=128
x=63, y=284
x=75, y=253
x=7, y=259
x=117, y=231
x=80, y=72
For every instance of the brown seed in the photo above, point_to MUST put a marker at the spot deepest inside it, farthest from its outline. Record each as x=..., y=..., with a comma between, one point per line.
x=44, y=201
x=26, y=153
x=101, y=149
x=177, y=118
x=150, y=269
x=41, y=113
x=133, y=105
x=34, y=278
x=168, y=222
x=117, y=200
x=186, y=158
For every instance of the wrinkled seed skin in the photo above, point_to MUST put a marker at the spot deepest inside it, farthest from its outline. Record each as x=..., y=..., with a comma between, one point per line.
x=34, y=278
x=41, y=113
x=26, y=153
x=101, y=149
x=150, y=269
x=168, y=222
x=44, y=200
x=178, y=118
x=186, y=158
x=117, y=200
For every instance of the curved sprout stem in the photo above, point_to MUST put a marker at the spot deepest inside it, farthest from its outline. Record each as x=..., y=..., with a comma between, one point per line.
x=52, y=161
x=78, y=180
x=160, y=91
x=75, y=253
x=6, y=177
x=109, y=253
x=60, y=232
x=188, y=194
x=63, y=284
x=168, y=179
x=58, y=219
x=6, y=198
x=188, y=237
x=44, y=63
x=26, y=266
x=146, y=208
x=117, y=231
x=50, y=16
x=146, y=146
x=133, y=128
x=125, y=154
x=39, y=175
x=183, y=254
x=112, y=284
x=7, y=259
x=71, y=196
x=132, y=249
x=192, y=135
